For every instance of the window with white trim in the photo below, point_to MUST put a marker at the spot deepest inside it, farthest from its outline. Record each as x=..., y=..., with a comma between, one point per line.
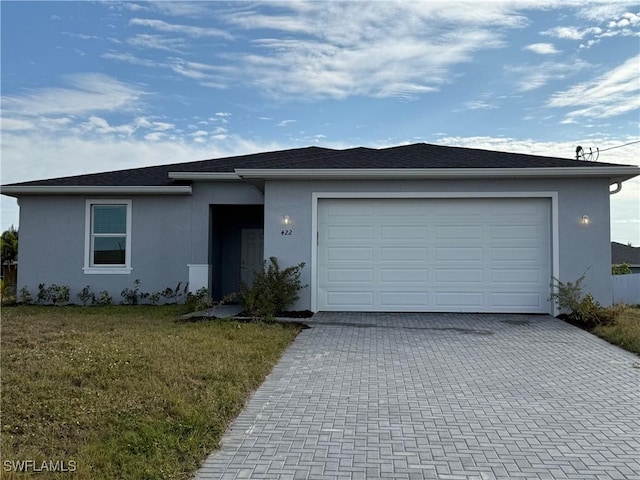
x=108, y=236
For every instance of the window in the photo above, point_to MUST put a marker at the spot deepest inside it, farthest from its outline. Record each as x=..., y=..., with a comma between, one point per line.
x=108, y=236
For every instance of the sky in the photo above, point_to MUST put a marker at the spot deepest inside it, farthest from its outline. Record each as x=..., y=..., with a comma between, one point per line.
x=96, y=86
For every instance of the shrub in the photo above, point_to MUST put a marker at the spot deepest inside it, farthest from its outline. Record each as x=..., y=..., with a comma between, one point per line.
x=132, y=296
x=7, y=293
x=86, y=296
x=272, y=291
x=59, y=294
x=202, y=300
x=25, y=296
x=56, y=294
x=583, y=310
x=621, y=269
x=104, y=298
x=174, y=295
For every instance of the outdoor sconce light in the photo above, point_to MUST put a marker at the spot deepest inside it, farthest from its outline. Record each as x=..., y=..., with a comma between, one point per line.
x=286, y=220
x=585, y=219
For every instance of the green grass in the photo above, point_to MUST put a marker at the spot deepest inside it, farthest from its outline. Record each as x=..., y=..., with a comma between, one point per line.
x=125, y=392
x=624, y=331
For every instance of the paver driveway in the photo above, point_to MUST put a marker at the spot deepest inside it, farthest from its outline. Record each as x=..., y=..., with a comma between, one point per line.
x=446, y=396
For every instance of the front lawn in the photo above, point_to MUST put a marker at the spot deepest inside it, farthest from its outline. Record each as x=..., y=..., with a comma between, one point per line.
x=624, y=331
x=125, y=392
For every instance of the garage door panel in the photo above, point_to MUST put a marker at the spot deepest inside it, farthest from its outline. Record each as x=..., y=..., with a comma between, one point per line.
x=471, y=255
x=515, y=254
x=516, y=233
x=458, y=254
x=349, y=253
x=459, y=299
x=467, y=233
x=404, y=254
x=402, y=300
x=403, y=232
x=350, y=275
x=455, y=276
x=347, y=298
x=514, y=299
x=517, y=276
x=349, y=232
x=395, y=276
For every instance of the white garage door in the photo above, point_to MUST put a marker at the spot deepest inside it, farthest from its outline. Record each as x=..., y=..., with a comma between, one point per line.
x=435, y=255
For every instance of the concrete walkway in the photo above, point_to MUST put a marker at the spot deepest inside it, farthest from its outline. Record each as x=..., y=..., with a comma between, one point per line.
x=439, y=396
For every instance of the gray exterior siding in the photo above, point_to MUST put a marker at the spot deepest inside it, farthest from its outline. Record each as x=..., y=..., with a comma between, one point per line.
x=580, y=247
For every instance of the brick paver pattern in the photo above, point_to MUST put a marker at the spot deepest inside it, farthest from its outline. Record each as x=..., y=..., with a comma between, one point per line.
x=439, y=396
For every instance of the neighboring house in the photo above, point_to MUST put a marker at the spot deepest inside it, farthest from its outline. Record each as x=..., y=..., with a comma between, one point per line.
x=625, y=254
x=409, y=228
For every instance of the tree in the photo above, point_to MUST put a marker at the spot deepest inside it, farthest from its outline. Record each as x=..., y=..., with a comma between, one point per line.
x=9, y=245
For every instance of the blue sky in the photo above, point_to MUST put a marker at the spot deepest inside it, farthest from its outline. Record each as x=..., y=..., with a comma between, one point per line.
x=95, y=86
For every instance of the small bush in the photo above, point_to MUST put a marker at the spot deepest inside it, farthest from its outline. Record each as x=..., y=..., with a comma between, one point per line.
x=174, y=295
x=56, y=294
x=202, y=300
x=273, y=290
x=621, y=269
x=86, y=296
x=25, y=296
x=104, y=298
x=583, y=310
x=132, y=296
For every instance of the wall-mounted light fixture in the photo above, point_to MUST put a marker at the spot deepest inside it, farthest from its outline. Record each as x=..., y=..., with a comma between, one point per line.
x=585, y=219
x=286, y=220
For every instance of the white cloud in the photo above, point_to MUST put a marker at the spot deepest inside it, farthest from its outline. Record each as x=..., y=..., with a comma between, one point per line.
x=132, y=59
x=10, y=124
x=189, y=30
x=101, y=126
x=87, y=92
x=614, y=93
x=284, y=123
x=571, y=33
x=182, y=8
x=157, y=42
x=379, y=49
x=542, y=48
x=531, y=77
x=479, y=105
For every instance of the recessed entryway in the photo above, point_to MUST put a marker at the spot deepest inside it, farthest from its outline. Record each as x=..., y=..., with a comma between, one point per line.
x=236, y=246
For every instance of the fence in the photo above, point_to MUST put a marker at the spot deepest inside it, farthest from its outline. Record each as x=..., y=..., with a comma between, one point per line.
x=626, y=288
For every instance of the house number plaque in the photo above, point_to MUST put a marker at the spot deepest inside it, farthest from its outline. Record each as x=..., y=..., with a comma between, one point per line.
x=286, y=233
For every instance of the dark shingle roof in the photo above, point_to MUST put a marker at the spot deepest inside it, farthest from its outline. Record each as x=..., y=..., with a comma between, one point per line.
x=624, y=254
x=420, y=155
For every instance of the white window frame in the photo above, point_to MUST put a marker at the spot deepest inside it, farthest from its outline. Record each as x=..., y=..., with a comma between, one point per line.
x=88, y=244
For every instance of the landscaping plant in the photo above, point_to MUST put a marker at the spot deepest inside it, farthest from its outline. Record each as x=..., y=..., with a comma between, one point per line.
x=273, y=290
x=580, y=309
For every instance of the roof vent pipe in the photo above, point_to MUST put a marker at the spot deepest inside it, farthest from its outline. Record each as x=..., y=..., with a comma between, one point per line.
x=618, y=188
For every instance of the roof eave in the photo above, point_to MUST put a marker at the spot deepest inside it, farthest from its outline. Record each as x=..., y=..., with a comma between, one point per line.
x=226, y=176
x=614, y=173
x=19, y=190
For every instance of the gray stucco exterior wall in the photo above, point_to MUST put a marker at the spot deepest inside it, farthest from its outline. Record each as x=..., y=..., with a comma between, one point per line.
x=52, y=245
x=170, y=233
x=580, y=247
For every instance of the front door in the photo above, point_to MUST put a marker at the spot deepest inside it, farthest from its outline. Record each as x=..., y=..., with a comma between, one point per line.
x=251, y=253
